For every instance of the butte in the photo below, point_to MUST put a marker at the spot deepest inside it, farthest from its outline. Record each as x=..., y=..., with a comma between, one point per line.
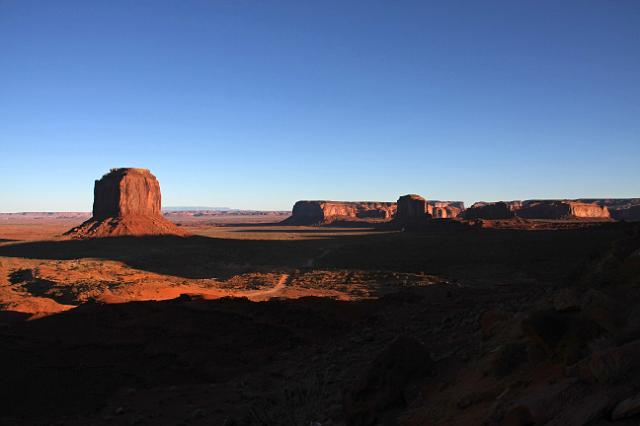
x=126, y=201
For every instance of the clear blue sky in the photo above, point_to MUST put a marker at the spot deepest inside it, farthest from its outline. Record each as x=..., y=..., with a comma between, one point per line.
x=256, y=104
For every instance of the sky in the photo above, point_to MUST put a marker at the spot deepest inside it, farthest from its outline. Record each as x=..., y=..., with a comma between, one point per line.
x=257, y=104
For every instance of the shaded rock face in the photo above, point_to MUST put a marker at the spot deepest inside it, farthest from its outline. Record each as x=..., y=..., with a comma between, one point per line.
x=408, y=207
x=551, y=209
x=127, y=201
x=499, y=210
x=630, y=214
x=123, y=192
x=411, y=207
x=536, y=209
x=321, y=211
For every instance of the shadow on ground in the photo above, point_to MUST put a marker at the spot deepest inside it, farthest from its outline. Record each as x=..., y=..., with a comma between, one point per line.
x=458, y=253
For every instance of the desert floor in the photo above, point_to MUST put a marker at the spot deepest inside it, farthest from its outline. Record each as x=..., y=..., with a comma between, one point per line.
x=251, y=322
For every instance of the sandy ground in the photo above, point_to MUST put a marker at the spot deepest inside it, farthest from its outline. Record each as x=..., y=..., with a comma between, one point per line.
x=219, y=328
x=40, y=287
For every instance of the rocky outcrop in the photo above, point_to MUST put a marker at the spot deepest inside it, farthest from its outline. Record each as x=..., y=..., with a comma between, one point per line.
x=126, y=191
x=411, y=207
x=408, y=207
x=629, y=214
x=536, y=209
x=323, y=212
x=481, y=210
x=444, y=209
x=627, y=209
x=127, y=201
x=552, y=209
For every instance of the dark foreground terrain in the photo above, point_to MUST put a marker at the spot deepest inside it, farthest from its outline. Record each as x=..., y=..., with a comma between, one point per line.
x=449, y=326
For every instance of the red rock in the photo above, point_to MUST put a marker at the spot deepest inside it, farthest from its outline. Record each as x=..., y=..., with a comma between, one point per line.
x=629, y=214
x=561, y=209
x=322, y=211
x=620, y=208
x=127, y=201
x=498, y=210
x=123, y=192
x=411, y=207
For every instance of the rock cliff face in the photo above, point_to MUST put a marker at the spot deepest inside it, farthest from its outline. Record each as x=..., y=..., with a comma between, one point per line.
x=408, y=206
x=444, y=209
x=322, y=211
x=126, y=202
x=536, y=209
x=552, y=209
x=123, y=192
x=630, y=214
x=411, y=207
x=620, y=208
x=481, y=210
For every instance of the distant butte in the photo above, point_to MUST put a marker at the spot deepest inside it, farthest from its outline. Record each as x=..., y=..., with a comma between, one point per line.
x=126, y=201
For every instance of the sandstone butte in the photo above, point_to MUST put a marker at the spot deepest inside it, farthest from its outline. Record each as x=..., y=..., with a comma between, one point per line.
x=315, y=212
x=482, y=210
x=411, y=208
x=537, y=209
x=126, y=201
x=551, y=209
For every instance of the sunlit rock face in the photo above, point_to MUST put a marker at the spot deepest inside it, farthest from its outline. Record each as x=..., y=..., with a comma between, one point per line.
x=322, y=211
x=127, y=201
x=537, y=209
x=444, y=209
x=627, y=209
x=560, y=209
x=126, y=191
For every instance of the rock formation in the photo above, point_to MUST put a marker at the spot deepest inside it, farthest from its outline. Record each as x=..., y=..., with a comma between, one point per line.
x=556, y=209
x=411, y=207
x=444, y=209
x=126, y=202
x=408, y=206
x=536, y=209
x=620, y=208
x=481, y=210
x=629, y=214
x=323, y=212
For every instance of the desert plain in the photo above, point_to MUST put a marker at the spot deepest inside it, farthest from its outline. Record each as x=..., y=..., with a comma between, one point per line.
x=250, y=321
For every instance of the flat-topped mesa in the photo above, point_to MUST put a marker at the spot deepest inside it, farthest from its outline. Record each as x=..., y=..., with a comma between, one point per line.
x=127, y=201
x=411, y=207
x=481, y=210
x=561, y=209
x=126, y=191
x=536, y=209
x=316, y=212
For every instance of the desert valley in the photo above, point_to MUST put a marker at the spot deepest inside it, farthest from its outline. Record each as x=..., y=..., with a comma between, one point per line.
x=319, y=213
x=415, y=312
